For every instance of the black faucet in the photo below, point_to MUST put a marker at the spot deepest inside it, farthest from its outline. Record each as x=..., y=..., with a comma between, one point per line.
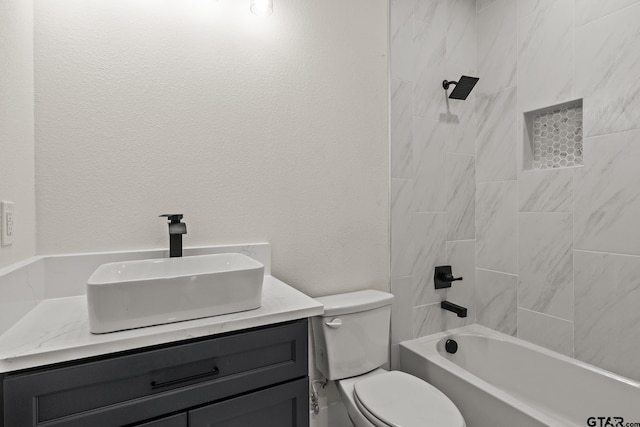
x=442, y=279
x=454, y=308
x=176, y=230
x=443, y=276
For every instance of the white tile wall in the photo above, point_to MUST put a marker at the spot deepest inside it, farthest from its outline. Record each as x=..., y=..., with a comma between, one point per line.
x=607, y=320
x=607, y=194
x=496, y=136
x=566, y=50
x=401, y=313
x=402, y=250
x=430, y=155
x=547, y=331
x=607, y=71
x=588, y=10
x=546, y=263
x=461, y=255
x=433, y=208
x=429, y=234
x=545, y=53
x=401, y=129
x=496, y=300
x=529, y=225
x=497, y=226
x=497, y=50
x=429, y=40
x=461, y=196
x=546, y=191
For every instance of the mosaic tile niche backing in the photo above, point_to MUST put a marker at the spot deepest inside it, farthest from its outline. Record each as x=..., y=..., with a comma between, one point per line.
x=557, y=138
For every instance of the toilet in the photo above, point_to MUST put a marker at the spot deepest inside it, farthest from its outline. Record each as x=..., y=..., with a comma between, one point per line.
x=351, y=344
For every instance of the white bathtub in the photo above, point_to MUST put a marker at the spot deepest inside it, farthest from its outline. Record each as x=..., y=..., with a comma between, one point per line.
x=497, y=380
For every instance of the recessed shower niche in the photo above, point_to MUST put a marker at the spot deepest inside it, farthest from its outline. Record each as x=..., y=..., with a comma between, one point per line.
x=553, y=136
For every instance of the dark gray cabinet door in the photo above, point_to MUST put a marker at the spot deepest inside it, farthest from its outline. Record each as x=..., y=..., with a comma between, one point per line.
x=280, y=406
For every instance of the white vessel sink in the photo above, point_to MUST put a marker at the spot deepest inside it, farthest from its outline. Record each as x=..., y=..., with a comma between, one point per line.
x=133, y=294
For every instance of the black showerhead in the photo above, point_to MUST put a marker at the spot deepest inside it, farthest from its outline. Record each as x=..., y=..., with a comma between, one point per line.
x=463, y=87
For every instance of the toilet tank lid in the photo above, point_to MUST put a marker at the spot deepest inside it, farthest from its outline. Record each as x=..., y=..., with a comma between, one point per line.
x=354, y=302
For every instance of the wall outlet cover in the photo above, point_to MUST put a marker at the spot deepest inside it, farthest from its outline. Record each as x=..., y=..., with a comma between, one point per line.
x=7, y=221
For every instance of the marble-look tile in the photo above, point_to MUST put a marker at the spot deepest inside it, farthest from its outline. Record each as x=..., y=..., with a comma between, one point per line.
x=431, y=319
x=497, y=50
x=401, y=318
x=461, y=193
x=401, y=39
x=395, y=357
x=546, y=263
x=546, y=190
x=429, y=231
x=496, y=301
x=588, y=10
x=21, y=289
x=461, y=255
x=496, y=136
x=527, y=7
x=461, y=122
x=461, y=38
x=546, y=331
x=402, y=250
x=461, y=60
x=481, y=4
x=401, y=129
x=497, y=226
x=607, y=322
x=545, y=54
x=607, y=194
x=430, y=156
x=429, y=63
x=607, y=60
x=427, y=320
x=426, y=10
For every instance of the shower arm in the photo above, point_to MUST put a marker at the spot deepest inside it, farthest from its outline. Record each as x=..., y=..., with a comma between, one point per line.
x=446, y=83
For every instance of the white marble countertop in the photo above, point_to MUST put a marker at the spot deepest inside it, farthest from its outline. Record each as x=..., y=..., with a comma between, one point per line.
x=57, y=330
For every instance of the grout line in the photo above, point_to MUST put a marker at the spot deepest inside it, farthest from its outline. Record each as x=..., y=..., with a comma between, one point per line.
x=545, y=212
x=606, y=253
x=607, y=15
x=610, y=133
x=496, y=271
x=546, y=315
x=497, y=182
x=573, y=261
x=518, y=172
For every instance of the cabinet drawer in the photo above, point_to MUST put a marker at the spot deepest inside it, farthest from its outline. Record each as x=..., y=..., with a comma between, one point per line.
x=281, y=406
x=135, y=387
x=179, y=420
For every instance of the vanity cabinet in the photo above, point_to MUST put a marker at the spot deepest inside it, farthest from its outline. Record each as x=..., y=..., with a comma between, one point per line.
x=257, y=377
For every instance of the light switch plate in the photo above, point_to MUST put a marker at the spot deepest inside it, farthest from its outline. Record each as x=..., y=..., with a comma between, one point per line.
x=7, y=219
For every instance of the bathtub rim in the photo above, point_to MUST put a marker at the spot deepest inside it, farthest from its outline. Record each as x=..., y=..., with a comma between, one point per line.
x=420, y=347
x=476, y=329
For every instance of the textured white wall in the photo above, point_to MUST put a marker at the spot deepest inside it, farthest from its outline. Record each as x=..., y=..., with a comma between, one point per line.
x=16, y=125
x=256, y=129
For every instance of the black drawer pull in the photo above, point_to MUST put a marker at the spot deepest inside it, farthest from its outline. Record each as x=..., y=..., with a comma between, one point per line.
x=159, y=384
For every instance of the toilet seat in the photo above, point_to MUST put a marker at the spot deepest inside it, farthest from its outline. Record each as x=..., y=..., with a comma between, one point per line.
x=397, y=399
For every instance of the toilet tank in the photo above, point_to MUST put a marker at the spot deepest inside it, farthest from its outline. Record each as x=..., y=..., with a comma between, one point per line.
x=352, y=337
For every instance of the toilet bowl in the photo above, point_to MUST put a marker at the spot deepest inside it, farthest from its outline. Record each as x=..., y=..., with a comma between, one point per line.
x=351, y=343
x=393, y=398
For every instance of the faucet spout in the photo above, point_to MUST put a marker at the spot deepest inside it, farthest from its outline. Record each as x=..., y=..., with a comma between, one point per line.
x=454, y=308
x=176, y=230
